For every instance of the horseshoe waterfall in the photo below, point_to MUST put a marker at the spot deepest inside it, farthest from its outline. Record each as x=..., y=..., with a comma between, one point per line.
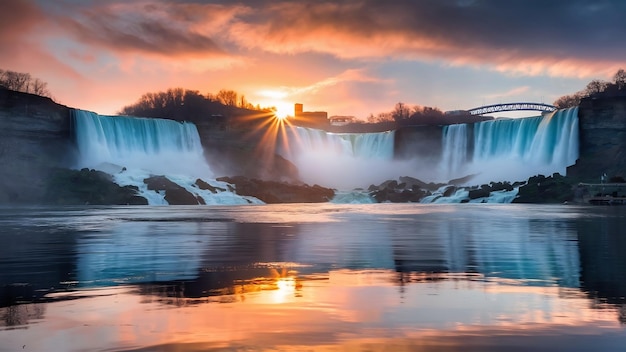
x=511, y=149
x=132, y=149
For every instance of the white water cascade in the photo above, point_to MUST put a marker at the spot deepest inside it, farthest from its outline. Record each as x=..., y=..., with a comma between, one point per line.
x=132, y=149
x=341, y=160
x=158, y=145
x=455, y=147
x=512, y=149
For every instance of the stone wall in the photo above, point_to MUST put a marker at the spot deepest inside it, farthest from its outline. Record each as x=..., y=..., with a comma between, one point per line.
x=602, y=122
x=34, y=138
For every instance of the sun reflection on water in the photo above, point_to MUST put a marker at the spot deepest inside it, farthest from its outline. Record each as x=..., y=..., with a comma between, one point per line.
x=348, y=309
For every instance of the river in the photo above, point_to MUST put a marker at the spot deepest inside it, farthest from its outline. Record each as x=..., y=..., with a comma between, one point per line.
x=329, y=277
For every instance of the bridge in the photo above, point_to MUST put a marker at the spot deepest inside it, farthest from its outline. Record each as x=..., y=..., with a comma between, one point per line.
x=487, y=109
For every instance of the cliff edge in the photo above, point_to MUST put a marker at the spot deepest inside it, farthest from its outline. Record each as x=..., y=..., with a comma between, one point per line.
x=34, y=139
x=602, y=139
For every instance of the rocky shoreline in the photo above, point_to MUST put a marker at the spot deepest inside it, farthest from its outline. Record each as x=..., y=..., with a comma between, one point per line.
x=93, y=187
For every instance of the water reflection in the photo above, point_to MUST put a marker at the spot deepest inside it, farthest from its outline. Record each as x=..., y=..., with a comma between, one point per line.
x=347, y=310
x=321, y=275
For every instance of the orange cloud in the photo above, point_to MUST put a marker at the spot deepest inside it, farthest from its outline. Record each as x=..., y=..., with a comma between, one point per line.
x=460, y=35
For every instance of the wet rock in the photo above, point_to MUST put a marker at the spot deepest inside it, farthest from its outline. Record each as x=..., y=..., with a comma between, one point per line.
x=449, y=191
x=205, y=186
x=279, y=192
x=541, y=189
x=485, y=190
x=408, y=190
x=174, y=194
x=80, y=187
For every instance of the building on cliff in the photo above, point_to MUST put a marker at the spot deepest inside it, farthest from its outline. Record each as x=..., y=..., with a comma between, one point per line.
x=316, y=119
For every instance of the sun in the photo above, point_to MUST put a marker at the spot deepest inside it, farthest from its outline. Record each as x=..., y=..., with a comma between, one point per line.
x=283, y=110
x=276, y=99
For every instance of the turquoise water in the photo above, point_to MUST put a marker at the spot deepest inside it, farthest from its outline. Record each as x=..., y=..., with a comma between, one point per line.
x=475, y=277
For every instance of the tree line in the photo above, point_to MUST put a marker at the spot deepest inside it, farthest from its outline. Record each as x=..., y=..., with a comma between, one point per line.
x=23, y=82
x=165, y=103
x=405, y=113
x=596, y=86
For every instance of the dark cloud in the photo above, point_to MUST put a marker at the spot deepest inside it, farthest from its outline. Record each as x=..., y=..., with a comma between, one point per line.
x=533, y=34
x=557, y=26
x=153, y=28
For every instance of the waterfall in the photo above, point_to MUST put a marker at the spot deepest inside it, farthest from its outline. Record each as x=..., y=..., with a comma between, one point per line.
x=513, y=149
x=341, y=160
x=455, y=149
x=132, y=149
x=355, y=145
x=158, y=145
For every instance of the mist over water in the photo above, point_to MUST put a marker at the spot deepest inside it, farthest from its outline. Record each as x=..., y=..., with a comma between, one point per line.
x=344, y=160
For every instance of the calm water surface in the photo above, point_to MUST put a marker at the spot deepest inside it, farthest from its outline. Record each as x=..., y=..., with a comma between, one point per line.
x=323, y=277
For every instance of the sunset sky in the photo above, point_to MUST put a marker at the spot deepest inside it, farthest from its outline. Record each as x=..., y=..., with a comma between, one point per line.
x=352, y=57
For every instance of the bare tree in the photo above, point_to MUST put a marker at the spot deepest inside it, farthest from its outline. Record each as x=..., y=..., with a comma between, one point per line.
x=16, y=80
x=620, y=78
x=568, y=101
x=227, y=97
x=595, y=86
x=401, y=112
x=39, y=87
x=23, y=82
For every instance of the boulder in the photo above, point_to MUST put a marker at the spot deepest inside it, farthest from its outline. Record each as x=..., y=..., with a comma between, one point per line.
x=541, y=189
x=174, y=194
x=485, y=190
x=80, y=187
x=205, y=186
x=408, y=190
x=279, y=192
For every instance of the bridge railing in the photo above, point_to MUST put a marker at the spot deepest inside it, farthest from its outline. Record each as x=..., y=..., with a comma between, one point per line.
x=511, y=107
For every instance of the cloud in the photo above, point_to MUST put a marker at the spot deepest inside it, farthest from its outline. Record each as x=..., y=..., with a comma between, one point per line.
x=17, y=19
x=520, y=37
x=560, y=38
x=510, y=93
x=351, y=75
x=11, y=24
x=159, y=28
x=21, y=24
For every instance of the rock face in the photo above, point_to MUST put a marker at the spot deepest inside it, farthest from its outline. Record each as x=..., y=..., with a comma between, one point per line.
x=541, y=189
x=279, y=192
x=419, y=142
x=602, y=122
x=34, y=139
x=174, y=194
x=242, y=145
x=87, y=187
